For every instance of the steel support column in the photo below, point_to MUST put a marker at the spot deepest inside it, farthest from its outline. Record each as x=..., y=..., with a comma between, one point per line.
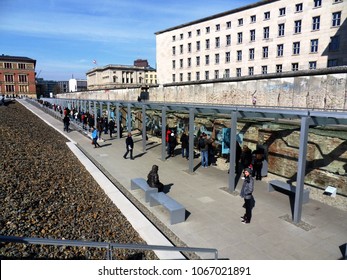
x=144, y=132
x=191, y=140
x=129, y=118
x=163, y=134
x=301, y=169
x=118, y=121
x=95, y=114
x=232, y=151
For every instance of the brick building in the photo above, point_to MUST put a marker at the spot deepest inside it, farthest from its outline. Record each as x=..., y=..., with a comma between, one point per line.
x=17, y=75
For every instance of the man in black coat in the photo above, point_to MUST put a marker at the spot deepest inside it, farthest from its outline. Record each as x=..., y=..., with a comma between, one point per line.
x=129, y=146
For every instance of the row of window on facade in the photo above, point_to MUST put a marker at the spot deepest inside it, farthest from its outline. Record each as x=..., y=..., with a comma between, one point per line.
x=314, y=44
x=10, y=78
x=264, y=70
x=266, y=34
x=10, y=65
x=20, y=88
x=253, y=19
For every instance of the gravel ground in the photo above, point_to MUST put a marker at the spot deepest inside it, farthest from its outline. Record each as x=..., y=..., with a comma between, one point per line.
x=47, y=193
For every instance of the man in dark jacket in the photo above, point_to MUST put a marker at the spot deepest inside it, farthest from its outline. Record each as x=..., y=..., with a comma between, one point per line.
x=66, y=122
x=153, y=179
x=129, y=146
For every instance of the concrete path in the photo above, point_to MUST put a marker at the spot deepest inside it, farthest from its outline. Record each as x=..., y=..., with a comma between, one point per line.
x=213, y=219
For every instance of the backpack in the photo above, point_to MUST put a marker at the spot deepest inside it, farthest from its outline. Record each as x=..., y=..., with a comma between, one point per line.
x=201, y=143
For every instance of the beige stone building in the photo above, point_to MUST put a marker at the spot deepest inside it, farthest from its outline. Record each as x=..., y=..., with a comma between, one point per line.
x=121, y=76
x=271, y=36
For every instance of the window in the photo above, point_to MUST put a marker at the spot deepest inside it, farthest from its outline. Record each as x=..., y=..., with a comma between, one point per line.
x=267, y=15
x=9, y=78
x=217, y=42
x=181, y=77
x=334, y=44
x=173, y=50
x=22, y=78
x=295, y=66
x=314, y=45
x=227, y=73
x=173, y=64
x=207, y=59
x=239, y=37
x=9, y=88
x=189, y=34
x=227, y=57
x=317, y=3
x=189, y=62
x=23, y=89
x=21, y=66
x=189, y=47
x=207, y=44
x=181, y=63
x=251, y=54
x=181, y=36
x=239, y=55
x=228, y=24
x=217, y=27
x=207, y=75
x=282, y=11
x=296, y=48
x=281, y=29
x=216, y=58
x=174, y=38
x=197, y=76
x=216, y=74
x=228, y=40
x=181, y=49
x=297, y=26
x=198, y=46
x=207, y=29
x=173, y=78
x=264, y=69
x=298, y=7
x=198, y=32
x=279, y=68
x=238, y=72
x=315, y=23
x=189, y=76
x=332, y=62
x=336, y=19
x=266, y=32
x=8, y=65
x=265, y=52
x=312, y=65
x=250, y=71
x=198, y=61
x=240, y=21
x=252, y=35
x=253, y=19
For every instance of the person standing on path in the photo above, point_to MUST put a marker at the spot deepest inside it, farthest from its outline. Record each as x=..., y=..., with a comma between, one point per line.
x=185, y=145
x=247, y=194
x=129, y=146
x=66, y=121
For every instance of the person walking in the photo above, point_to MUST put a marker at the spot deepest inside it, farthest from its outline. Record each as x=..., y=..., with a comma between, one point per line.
x=66, y=121
x=111, y=126
x=203, y=144
x=129, y=142
x=247, y=194
x=95, y=137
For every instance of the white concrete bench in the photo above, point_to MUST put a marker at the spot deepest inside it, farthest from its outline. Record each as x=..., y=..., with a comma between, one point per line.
x=140, y=183
x=176, y=210
x=285, y=186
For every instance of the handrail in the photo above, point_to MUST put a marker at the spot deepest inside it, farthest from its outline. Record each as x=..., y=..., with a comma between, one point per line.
x=109, y=246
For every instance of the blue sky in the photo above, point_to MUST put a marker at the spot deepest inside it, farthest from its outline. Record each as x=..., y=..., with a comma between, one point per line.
x=65, y=36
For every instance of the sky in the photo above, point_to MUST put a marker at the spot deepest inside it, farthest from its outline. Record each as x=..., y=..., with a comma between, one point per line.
x=66, y=36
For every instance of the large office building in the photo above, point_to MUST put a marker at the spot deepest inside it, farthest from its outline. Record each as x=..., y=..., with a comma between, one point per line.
x=17, y=75
x=121, y=76
x=271, y=36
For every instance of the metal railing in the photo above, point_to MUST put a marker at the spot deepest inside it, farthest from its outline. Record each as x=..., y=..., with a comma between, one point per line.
x=105, y=245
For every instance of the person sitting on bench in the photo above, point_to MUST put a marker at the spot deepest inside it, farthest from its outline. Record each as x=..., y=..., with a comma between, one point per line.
x=153, y=179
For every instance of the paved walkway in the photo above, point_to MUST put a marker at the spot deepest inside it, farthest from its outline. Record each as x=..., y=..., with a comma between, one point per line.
x=214, y=214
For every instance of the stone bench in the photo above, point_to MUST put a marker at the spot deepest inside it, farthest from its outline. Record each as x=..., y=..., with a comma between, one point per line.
x=288, y=187
x=140, y=183
x=176, y=210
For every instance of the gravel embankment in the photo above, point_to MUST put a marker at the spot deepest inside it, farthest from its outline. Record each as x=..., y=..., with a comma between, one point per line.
x=46, y=192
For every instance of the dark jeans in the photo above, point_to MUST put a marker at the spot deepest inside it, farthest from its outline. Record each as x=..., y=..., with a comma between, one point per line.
x=131, y=153
x=248, y=205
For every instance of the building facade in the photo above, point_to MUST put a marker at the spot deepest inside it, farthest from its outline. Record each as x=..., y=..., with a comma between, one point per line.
x=17, y=75
x=121, y=76
x=77, y=85
x=271, y=36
